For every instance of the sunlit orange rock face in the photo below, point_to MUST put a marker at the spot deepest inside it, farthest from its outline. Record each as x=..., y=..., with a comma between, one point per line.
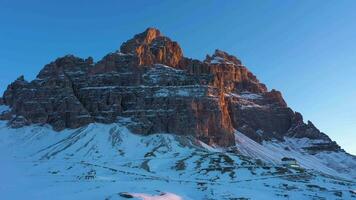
x=152, y=84
x=151, y=47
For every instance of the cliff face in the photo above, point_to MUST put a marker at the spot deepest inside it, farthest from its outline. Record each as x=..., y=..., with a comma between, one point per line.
x=150, y=81
x=151, y=47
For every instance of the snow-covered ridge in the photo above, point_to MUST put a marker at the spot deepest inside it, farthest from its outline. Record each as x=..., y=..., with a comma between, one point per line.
x=219, y=60
x=108, y=161
x=334, y=163
x=247, y=99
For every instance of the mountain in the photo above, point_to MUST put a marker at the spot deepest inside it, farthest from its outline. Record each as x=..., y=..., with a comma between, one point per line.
x=147, y=114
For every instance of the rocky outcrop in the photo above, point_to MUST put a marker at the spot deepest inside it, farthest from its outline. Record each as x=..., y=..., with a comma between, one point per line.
x=230, y=75
x=150, y=82
x=150, y=47
x=51, y=98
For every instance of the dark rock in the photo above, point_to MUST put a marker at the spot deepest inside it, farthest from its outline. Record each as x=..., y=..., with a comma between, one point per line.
x=322, y=147
x=274, y=97
x=152, y=83
x=89, y=60
x=18, y=122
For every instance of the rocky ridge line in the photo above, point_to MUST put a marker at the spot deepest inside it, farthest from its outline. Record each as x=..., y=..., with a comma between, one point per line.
x=150, y=81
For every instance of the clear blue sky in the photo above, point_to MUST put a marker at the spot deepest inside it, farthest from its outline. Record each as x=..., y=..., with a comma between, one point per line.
x=306, y=49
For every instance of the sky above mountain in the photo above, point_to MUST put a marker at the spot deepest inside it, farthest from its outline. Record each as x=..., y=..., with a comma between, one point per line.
x=305, y=49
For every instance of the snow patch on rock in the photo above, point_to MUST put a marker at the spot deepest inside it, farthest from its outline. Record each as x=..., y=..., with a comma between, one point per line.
x=4, y=108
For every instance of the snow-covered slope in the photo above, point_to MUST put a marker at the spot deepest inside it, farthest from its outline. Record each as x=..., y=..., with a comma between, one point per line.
x=334, y=163
x=108, y=162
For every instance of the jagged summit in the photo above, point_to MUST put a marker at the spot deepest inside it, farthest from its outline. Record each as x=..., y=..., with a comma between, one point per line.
x=151, y=82
x=145, y=37
x=220, y=56
x=151, y=47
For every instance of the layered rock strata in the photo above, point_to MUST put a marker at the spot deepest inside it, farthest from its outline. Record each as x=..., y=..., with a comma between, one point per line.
x=150, y=81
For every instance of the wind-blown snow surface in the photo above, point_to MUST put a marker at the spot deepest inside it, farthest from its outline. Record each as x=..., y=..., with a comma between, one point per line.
x=334, y=163
x=108, y=162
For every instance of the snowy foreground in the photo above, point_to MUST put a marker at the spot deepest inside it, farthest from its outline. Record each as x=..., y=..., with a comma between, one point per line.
x=108, y=162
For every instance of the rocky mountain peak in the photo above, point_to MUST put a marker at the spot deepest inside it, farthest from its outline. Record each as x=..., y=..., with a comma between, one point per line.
x=151, y=47
x=151, y=83
x=64, y=64
x=21, y=78
x=146, y=114
x=220, y=56
x=145, y=37
x=149, y=34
